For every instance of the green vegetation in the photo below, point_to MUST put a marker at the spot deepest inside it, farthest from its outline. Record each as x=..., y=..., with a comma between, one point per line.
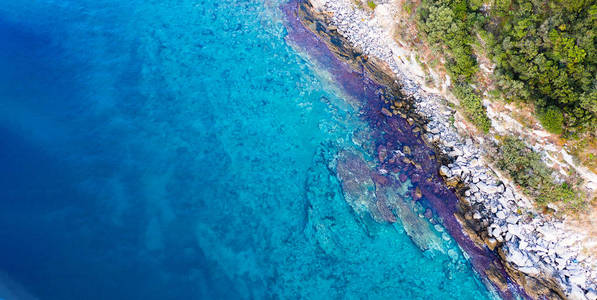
x=472, y=105
x=447, y=25
x=552, y=119
x=528, y=171
x=545, y=56
x=545, y=52
x=371, y=4
x=585, y=150
x=408, y=7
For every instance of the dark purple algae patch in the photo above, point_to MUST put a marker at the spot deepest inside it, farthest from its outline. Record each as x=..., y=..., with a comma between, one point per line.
x=392, y=135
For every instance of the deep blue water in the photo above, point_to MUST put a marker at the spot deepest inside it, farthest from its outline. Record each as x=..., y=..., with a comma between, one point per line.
x=183, y=150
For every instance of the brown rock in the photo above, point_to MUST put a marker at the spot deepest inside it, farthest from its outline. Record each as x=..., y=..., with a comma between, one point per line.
x=379, y=179
x=418, y=194
x=470, y=232
x=452, y=182
x=382, y=153
x=386, y=112
x=491, y=243
x=540, y=286
x=497, y=279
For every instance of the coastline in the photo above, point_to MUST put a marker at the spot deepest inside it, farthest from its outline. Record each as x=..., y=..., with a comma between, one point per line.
x=508, y=249
x=373, y=82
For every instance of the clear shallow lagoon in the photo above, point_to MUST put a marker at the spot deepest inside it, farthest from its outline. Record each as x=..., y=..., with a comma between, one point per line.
x=183, y=150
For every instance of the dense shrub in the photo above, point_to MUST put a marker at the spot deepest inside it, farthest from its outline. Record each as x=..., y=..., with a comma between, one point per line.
x=526, y=169
x=552, y=120
x=560, y=193
x=472, y=104
x=521, y=163
x=448, y=25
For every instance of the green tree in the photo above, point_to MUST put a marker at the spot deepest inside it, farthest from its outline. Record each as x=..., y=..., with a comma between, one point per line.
x=552, y=120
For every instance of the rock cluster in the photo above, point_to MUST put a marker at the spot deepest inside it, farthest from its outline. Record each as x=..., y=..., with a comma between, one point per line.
x=529, y=242
x=534, y=245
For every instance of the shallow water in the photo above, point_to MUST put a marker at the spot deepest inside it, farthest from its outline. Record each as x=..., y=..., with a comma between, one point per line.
x=184, y=150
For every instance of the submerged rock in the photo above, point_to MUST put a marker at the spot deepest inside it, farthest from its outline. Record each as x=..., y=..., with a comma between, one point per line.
x=386, y=112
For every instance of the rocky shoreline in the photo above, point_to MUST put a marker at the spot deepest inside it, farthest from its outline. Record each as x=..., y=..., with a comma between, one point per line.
x=538, y=254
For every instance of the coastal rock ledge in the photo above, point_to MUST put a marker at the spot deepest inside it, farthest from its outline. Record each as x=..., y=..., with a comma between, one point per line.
x=541, y=255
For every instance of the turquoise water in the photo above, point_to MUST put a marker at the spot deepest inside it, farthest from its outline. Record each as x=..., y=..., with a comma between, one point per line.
x=184, y=150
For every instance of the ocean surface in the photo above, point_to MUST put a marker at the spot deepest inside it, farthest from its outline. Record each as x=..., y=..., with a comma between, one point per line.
x=188, y=150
